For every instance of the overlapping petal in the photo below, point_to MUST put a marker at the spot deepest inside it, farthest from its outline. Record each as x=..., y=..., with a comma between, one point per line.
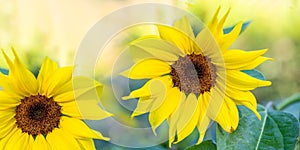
x=228, y=117
x=21, y=79
x=170, y=103
x=204, y=120
x=40, y=143
x=182, y=37
x=155, y=48
x=19, y=140
x=187, y=122
x=73, y=125
x=47, y=69
x=159, y=85
x=244, y=60
x=86, y=144
x=60, y=139
x=241, y=81
x=216, y=27
x=7, y=101
x=148, y=68
x=7, y=123
x=174, y=118
x=245, y=98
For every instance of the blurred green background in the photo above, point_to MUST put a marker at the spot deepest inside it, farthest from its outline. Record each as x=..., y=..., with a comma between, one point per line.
x=38, y=28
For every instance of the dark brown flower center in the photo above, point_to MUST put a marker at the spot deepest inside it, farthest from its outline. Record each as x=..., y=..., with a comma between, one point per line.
x=37, y=114
x=193, y=74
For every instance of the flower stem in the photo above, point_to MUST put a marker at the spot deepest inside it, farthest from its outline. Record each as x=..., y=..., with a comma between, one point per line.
x=288, y=101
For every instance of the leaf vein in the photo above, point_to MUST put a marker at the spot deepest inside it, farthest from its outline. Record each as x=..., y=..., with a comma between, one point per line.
x=262, y=129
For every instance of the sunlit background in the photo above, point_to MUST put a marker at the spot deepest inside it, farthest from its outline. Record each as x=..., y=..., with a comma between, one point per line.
x=38, y=28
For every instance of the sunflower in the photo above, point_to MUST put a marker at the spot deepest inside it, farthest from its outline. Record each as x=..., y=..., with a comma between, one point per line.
x=41, y=112
x=193, y=79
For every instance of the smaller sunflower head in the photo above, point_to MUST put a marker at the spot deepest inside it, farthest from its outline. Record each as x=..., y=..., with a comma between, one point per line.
x=42, y=113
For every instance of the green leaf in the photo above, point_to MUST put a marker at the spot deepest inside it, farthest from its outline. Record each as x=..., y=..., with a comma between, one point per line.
x=276, y=130
x=206, y=145
x=244, y=26
x=136, y=84
x=4, y=71
x=298, y=143
x=255, y=74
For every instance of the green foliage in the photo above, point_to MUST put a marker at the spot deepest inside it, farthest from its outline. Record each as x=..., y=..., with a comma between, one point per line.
x=255, y=73
x=244, y=26
x=289, y=101
x=276, y=130
x=206, y=145
x=4, y=71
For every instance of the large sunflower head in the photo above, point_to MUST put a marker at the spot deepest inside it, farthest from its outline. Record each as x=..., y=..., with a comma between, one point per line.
x=41, y=112
x=193, y=79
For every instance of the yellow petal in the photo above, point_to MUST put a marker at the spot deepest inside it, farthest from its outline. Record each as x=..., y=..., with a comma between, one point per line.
x=79, y=129
x=157, y=116
x=180, y=39
x=244, y=60
x=221, y=23
x=59, y=139
x=65, y=97
x=209, y=45
x=228, y=116
x=229, y=38
x=19, y=140
x=188, y=119
x=148, y=68
x=174, y=117
x=183, y=24
x=214, y=100
x=90, y=109
x=216, y=28
x=8, y=87
x=212, y=25
x=7, y=102
x=204, y=121
x=241, y=81
x=6, y=138
x=87, y=109
x=154, y=48
x=144, y=91
x=201, y=126
x=235, y=55
x=25, y=78
x=87, y=144
x=254, y=63
x=40, y=143
x=71, y=109
x=21, y=78
x=83, y=84
x=158, y=84
x=245, y=98
x=60, y=77
x=152, y=95
x=7, y=123
x=47, y=69
x=143, y=106
x=79, y=88
x=156, y=90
